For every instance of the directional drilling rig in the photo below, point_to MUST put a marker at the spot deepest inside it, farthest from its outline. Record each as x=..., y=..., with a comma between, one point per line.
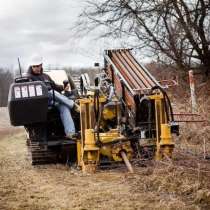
x=126, y=114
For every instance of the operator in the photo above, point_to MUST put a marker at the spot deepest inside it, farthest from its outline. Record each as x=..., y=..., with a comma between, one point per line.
x=35, y=73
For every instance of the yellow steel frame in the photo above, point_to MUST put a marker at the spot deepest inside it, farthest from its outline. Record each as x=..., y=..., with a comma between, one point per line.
x=88, y=153
x=164, y=142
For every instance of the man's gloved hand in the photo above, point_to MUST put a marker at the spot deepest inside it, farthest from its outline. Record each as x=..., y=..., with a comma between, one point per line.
x=76, y=107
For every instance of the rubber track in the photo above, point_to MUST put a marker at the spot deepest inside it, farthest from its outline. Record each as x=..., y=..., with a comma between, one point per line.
x=40, y=154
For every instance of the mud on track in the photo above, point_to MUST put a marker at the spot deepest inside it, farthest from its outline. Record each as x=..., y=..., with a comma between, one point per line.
x=155, y=185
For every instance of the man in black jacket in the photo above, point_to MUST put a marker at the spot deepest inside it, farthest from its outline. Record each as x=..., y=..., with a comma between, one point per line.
x=35, y=73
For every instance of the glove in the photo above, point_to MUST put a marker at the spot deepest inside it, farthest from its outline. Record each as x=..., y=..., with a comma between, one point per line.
x=76, y=107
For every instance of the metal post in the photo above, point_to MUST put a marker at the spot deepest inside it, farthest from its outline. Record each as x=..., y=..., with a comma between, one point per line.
x=192, y=91
x=127, y=162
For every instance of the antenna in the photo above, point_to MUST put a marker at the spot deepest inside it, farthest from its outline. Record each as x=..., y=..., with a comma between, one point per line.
x=20, y=67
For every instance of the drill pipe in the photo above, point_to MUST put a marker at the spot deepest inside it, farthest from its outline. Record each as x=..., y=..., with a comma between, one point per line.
x=126, y=161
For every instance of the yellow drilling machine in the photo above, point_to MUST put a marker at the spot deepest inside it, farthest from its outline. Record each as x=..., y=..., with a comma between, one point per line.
x=125, y=114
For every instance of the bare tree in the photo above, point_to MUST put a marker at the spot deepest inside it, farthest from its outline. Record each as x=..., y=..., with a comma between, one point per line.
x=173, y=31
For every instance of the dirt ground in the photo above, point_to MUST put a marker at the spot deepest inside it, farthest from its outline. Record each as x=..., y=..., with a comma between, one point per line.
x=183, y=182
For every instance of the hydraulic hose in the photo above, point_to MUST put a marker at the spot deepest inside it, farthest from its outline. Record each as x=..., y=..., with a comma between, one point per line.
x=165, y=103
x=97, y=113
x=149, y=120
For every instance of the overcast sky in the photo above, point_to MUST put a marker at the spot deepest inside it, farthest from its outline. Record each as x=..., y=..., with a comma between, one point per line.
x=29, y=27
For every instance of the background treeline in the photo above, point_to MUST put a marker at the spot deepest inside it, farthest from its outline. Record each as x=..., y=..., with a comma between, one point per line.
x=6, y=78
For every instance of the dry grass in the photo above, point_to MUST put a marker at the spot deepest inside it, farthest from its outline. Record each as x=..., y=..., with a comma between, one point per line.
x=160, y=185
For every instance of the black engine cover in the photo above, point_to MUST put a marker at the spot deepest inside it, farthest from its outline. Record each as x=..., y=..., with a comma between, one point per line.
x=28, y=103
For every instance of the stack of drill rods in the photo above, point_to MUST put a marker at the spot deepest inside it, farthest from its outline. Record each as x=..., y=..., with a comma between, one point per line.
x=137, y=76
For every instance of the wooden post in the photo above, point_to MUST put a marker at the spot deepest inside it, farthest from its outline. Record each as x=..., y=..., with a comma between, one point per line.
x=192, y=91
